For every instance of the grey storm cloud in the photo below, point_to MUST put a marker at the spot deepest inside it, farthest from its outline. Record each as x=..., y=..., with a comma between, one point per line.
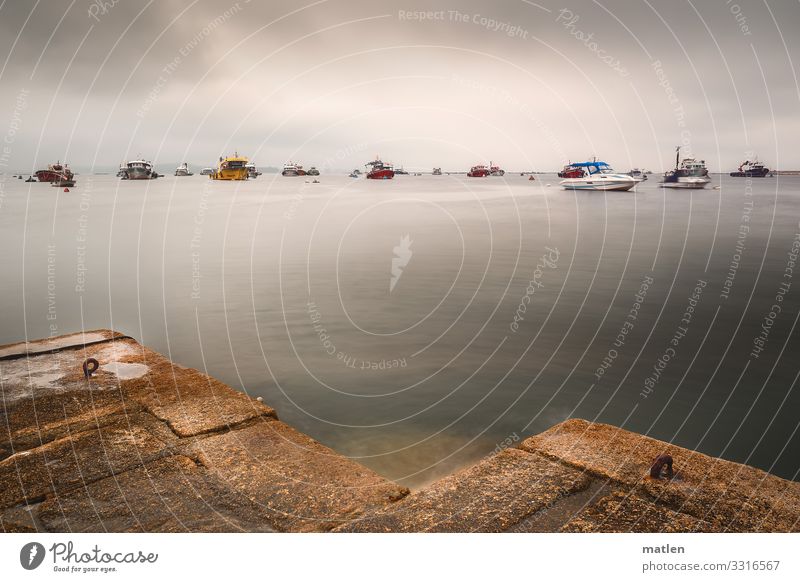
x=529, y=84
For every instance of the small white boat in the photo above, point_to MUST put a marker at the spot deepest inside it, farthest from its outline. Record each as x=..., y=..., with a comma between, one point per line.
x=183, y=170
x=252, y=172
x=638, y=175
x=206, y=171
x=598, y=176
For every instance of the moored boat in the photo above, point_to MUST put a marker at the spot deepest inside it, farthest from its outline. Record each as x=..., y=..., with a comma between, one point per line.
x=638, y=175
x=139, y=170
x=252, y=172
x=479, y=171
x=748, y=169
x=292, y=169
x=313, y=171
x=231, y=168
x=688, y=173
x=206, y=171
x=598, y=175
x=379, y=171
x=437, y=171
x=52, y=173
x=571, y=171
x=183, y=170
x=496, y=170
x=401, y=171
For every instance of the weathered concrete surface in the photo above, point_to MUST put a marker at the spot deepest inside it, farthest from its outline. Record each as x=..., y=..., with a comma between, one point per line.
x=587, y=477
x=492, y=496
x=147, y=445
x=281, y=469
x=721, y=495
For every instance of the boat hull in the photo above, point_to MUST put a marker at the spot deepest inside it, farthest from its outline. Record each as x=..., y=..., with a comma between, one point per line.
x=686, y=184
x=383, y=174
x=139, y=174
x=46, y=175
x=758, y=174
x=609, y=183
x=229, y=174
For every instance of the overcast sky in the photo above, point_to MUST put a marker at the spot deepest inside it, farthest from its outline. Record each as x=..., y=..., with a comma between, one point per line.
x=334, y=82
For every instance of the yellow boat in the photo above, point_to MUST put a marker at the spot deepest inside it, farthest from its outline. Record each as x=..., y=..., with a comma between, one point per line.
x=231, y=168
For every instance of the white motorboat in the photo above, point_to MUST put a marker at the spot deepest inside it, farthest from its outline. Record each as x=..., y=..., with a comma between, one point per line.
x=598, y=176
x=252, y=172
x=183, y=170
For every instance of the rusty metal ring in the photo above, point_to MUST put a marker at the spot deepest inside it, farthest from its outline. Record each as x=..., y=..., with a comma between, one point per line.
x=90, y=366
x=659, y=463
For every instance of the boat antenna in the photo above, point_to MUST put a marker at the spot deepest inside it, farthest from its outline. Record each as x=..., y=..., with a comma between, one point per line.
x=677, y=156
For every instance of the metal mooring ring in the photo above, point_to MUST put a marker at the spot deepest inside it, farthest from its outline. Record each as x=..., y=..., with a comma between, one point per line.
x=90, y=366
x=659, y=463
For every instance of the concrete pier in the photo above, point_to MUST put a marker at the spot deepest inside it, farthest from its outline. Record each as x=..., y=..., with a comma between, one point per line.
x=147, y=445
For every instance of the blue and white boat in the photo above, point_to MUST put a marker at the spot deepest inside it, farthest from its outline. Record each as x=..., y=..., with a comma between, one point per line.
x=598, y=176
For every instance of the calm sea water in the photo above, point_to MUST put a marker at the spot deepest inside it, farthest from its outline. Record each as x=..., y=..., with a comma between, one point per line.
x=510, y=305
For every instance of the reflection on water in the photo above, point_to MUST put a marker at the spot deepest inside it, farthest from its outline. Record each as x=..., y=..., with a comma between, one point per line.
x=417, y=324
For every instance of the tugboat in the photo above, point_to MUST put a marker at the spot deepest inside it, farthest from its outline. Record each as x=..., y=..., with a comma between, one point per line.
x=437, y=171
x=479, y=171
x=688, y=173
x=252, y=172
x=64, y=179
x=598, y=176
x=313, y=171
x=571, y=171
x=231, y=168
x=139, y=170
x=379, y=171
x=496, y=170
x=292, y=169
x=52, y=173
x=749, y=169
x=183, y=170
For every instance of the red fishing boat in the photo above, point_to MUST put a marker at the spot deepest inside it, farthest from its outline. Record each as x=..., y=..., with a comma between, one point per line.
x=52, y=173
x=571, y=171
x=478, y=171
x=379, y=171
